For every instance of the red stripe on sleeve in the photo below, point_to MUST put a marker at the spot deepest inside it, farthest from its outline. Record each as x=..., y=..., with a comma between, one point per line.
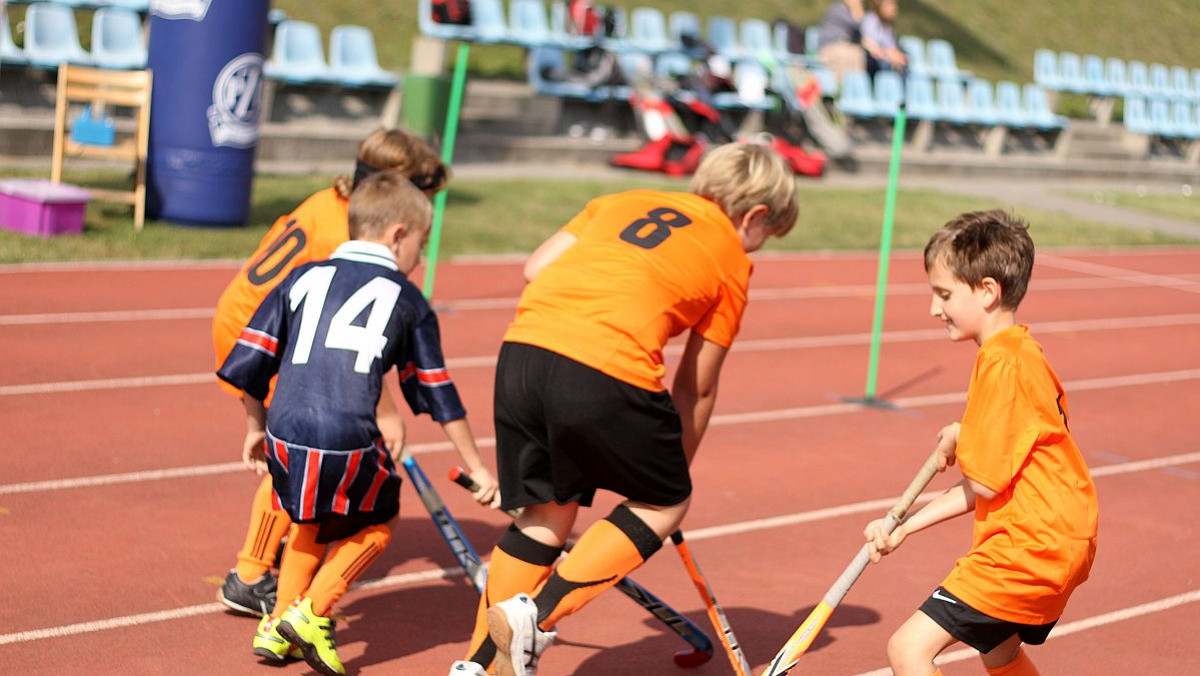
x=433, y=376
x=260, y=339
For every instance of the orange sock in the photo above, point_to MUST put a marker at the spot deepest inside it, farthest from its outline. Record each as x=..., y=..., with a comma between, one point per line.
x=608, y=551
x=300, y=560
x=518, y=564
x=347, y=560
x=1020, y=666
x=267, y=527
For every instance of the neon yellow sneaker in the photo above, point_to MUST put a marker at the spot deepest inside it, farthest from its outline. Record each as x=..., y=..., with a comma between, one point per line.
x=268, y=644
x=313, y=633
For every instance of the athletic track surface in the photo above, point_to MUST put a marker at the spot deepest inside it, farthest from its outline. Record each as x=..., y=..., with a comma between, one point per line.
x=122, y=503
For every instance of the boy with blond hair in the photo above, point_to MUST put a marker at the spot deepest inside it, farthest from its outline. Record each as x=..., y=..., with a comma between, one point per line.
x=331, y=330
x=1024, y=477
x=580, y=402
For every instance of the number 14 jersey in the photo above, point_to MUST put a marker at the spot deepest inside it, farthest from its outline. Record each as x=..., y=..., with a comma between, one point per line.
x=647, y=265
x=331, y=330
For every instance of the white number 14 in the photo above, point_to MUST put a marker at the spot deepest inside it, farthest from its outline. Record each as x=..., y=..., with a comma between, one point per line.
x=368, y=341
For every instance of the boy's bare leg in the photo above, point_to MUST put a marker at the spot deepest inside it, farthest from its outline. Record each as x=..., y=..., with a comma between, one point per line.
x=1007, y=659
x=914, y=645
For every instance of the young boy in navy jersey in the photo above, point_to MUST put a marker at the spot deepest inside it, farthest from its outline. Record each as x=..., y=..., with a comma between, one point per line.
x=330, y=331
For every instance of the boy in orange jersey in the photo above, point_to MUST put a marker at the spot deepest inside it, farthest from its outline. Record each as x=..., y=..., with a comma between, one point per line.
x=1024, y=477
x=311, y=233
x=580, y=404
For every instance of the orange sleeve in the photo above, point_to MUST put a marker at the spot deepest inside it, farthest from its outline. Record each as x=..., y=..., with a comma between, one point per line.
x=722, y=322
x=999, y=427
x=576, y=225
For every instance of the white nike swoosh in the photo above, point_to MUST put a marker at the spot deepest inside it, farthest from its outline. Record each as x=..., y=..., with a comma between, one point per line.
x=937, y=594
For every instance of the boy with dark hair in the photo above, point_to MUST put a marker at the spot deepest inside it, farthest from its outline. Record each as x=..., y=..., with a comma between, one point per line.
x=331, y=330
x=1024, y=477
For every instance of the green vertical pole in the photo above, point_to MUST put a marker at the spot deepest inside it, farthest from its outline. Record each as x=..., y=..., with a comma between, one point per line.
x=448, y=139
x=885, y=251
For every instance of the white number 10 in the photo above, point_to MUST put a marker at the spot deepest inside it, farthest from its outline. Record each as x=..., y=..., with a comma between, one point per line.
x=368, y=341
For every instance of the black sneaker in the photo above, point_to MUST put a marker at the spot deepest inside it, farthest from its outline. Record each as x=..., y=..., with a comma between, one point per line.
x=255, y=599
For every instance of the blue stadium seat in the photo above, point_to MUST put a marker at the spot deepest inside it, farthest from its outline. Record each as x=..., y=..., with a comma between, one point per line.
x=951, y=101
x=1114, y=73
x=1185, y=125
x=528, y=23
x=140, y=6
x=1181, y=84
x=487, y=18
x=352, y=58
x=546, y=67
x=812, y=41
x=828, y=81
x=298, y=55
x=1160, y=80
x=117, y=41
x=918, y=99
x=1037, y=109
x=889, y=93
x=722, y=36
x=1196, y=83
x=634, y=67
x=441, y=31
x=981, y=103
x=855, y=97
x=1136, y=118
x=914, y=48
x=681, y=23
x=1070, y=73
x=1159, y=115
x=1008, y=105
x=1095, y=80
x=750, y=79
x=941, y=60
x=1045, y=69
x=672, y=65
x=779, y=36
x=52, y=37
x=755, y=38
x=1139, y=79
x=648, y=31
x=9, y=51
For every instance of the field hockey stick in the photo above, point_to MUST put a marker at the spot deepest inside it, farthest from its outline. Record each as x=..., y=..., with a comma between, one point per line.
x=733, y=650
x=463, y=552
x=701, y=645
x=803, y=637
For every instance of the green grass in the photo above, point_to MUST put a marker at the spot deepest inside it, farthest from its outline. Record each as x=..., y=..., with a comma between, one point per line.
x=1184, y=205
x=514, y=215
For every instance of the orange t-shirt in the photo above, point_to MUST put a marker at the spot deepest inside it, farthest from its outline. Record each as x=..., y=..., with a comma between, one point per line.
x=1034, y=542
x=310, y=233
x=647, y=265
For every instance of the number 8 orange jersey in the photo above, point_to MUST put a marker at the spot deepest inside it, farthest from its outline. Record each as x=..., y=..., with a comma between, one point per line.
x=310, y=233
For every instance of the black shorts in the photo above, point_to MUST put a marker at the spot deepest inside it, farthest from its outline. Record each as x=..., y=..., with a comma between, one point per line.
x=564, y=430
x=981, y=632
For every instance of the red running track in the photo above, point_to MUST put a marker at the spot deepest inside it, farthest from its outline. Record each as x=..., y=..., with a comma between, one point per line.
x=110, y=567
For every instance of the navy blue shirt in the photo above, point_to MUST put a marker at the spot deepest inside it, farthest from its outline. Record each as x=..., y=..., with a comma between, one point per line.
x=331, y=330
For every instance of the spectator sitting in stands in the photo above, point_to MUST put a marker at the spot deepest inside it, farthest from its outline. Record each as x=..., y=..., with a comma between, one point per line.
x=592, y=66
x=879, y=38
x=841, y=38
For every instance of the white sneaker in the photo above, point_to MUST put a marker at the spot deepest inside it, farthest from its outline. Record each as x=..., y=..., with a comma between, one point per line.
x=512, y=625
x=467, y=668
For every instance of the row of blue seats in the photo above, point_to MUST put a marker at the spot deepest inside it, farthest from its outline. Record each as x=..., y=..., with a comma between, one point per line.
x=1162, y=118
x=51, y=37
x=141, y=6
x=973, y=103
x=1095, y=76
x=298, y=56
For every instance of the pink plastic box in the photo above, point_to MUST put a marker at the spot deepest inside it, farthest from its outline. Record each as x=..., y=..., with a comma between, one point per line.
x=39, y=207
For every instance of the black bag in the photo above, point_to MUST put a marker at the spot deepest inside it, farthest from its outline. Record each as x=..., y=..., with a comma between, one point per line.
x=795, y=36
x=452, y=11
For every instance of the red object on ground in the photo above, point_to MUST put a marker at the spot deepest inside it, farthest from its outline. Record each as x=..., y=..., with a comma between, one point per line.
x=801, y=161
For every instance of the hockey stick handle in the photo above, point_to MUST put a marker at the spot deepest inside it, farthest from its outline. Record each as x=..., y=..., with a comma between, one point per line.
x=687, y=630
x=446, y=525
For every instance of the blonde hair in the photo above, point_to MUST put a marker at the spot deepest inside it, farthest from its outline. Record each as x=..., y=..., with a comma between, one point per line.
x=384, y=199
x=401, y=151
x=740, y=176
x=979, y=244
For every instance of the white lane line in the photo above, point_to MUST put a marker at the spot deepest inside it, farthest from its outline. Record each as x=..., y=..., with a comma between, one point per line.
x=1074, y=627
x=698, y=534
x=1113, y=272
x=749, y=345
x=183, y=472
x=716, y=420
x=509, y=303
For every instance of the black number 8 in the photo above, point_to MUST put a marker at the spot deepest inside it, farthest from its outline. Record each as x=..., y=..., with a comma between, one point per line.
x=663, y=219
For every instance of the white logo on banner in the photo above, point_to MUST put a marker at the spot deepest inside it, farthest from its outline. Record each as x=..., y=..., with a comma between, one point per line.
x=180, y=9
x=237, y=96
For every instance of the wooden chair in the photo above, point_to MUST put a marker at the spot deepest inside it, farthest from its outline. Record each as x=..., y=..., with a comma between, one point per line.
x=99, y=89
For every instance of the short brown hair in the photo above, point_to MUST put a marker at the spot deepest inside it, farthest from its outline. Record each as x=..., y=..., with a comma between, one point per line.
x=402, y=151
x=383, y=199
x=980, y=244
x=740, y=176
